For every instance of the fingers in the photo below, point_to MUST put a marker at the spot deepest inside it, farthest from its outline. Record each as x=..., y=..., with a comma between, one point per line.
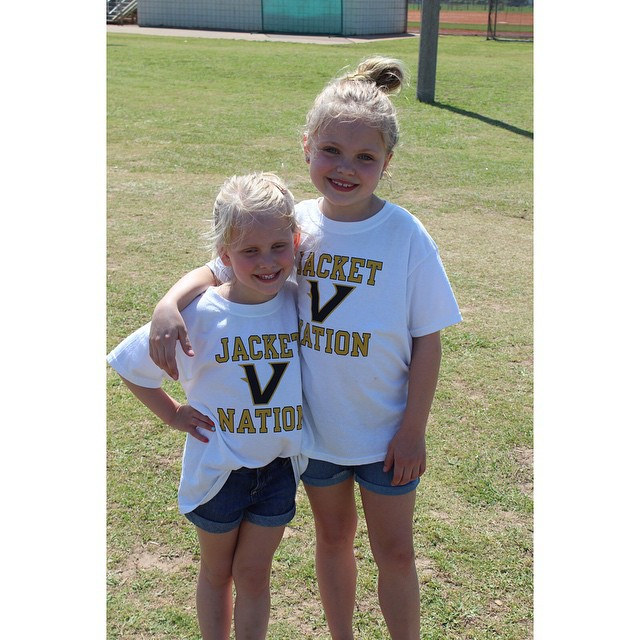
x=403, y=474
x=192, y=429
x=162, y=349
x=183, y=336
x=167, y=357
x=190, y=420
x=197, y=435
x=404, y=471
x=162, y=352
x=388, y=461
x=204, y=421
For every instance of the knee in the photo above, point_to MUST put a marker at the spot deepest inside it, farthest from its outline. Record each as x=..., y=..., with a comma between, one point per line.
x=336, y=536
x=214, y=578
x=395, y=557
x=252, y=577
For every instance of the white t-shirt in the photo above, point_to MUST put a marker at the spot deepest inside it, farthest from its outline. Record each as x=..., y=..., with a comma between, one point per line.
x=245, y=376
x=365, y=289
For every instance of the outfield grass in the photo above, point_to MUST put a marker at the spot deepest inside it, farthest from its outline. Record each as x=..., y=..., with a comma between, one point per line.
x=184, y=113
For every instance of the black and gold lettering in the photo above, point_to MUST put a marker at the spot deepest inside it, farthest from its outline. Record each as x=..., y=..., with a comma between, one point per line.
x=246, y=423
x=338, y=341
x=341, y=268
x=225, y=420
x=259, y=395
x=262, y=420
x=320, y=314
x=224, y=342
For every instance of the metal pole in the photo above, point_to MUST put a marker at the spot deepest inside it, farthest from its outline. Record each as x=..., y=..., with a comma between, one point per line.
x=428, y=51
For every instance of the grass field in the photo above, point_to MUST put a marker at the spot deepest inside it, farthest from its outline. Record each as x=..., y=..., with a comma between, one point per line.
x=185, y=113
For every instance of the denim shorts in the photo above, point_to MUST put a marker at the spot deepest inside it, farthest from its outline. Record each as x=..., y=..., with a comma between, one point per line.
x=264, y=496
x=370, y=476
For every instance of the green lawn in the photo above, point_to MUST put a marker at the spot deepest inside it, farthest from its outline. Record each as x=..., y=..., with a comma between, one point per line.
x=184, y=113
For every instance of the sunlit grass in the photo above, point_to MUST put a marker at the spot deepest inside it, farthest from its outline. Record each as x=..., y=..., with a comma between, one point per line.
x=184, y=113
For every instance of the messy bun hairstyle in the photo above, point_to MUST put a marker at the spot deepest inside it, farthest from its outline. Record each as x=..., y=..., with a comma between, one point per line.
x=361, y=95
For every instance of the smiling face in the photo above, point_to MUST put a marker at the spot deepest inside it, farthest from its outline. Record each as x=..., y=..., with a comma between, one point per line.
x=346, y=162
x=262, y=256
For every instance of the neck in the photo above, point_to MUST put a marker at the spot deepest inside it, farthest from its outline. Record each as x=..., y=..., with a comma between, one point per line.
x=348, y=214
x=232, y=292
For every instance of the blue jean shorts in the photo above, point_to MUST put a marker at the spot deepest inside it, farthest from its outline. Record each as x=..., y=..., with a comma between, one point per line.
x=265, y=496
x=370, y=476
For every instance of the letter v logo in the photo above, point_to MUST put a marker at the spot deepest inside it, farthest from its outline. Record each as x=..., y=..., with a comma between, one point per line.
x=320, y=314
x=259, y=396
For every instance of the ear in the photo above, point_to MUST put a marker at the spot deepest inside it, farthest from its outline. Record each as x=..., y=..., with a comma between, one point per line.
x=386, y=162
x=296, y=241
x=224, y=256
x=306, y=148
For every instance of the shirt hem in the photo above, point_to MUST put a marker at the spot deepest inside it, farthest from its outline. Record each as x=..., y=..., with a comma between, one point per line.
x=346, y=462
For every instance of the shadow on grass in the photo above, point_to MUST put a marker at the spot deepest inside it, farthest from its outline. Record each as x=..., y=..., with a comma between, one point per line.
x=491, y=121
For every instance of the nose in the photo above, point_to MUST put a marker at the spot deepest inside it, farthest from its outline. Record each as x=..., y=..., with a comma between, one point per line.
x=345, y=167
x=267, y=260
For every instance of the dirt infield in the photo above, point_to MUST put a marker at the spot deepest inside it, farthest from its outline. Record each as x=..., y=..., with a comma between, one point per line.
x=504, y=20
x=477, y=17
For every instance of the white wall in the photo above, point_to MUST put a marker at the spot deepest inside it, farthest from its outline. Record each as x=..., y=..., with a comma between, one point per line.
x=359, y=17
x=234, y=15
x=368, y=17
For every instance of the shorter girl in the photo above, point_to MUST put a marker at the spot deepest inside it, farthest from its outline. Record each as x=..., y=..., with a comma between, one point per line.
x=243, y=389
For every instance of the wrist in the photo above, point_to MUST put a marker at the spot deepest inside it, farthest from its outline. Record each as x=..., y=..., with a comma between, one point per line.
x=413, y=427
x=167, y=302
x=173, y=418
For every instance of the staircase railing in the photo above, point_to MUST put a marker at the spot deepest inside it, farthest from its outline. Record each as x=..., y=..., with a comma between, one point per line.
x=119, y=9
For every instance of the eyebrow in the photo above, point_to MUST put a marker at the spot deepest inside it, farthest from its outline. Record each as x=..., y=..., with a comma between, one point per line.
x=332, y=143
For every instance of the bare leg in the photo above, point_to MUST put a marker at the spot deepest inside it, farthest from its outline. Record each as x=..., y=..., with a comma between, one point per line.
x=336, y=518
x=213, y=595
x=251, y=576
x=390, y=527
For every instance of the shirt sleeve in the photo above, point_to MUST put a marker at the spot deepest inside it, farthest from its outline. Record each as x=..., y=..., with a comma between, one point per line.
x=132, y=361
x=219, y=270
x=431, y=304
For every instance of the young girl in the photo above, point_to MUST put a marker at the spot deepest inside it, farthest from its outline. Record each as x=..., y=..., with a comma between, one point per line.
x=243, y=390
x=372, y=298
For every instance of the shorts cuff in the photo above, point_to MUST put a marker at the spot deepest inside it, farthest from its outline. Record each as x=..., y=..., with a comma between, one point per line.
x=397, y=490
x=212, y=527
x=326, y=482
x=270, y=521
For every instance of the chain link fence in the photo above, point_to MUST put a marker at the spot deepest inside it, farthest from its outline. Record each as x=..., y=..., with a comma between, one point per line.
x=508, y=20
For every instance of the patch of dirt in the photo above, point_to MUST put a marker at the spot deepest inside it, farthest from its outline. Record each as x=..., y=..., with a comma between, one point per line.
x=153, y=557
x=501, y=520
x=524, y=457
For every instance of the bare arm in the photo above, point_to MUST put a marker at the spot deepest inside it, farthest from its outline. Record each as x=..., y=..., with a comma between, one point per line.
x=407, y=452
x=182, y=417
x=167, y=325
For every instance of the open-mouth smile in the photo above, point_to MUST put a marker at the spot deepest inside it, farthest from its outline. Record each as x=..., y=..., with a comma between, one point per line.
x=342, y=186
x=267, y=277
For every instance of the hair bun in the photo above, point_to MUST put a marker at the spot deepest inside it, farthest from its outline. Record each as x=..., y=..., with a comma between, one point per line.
x=387, y=74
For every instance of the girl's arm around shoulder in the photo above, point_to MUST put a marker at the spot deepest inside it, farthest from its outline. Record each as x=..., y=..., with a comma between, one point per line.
x=182, y=417
x=167, y=325
x=406, y=453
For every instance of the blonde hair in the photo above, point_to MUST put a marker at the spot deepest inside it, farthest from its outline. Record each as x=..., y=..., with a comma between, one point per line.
x=361, y=95
x=244, y=199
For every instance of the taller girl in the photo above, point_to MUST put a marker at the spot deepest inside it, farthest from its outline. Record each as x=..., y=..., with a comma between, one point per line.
x=372, y=298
